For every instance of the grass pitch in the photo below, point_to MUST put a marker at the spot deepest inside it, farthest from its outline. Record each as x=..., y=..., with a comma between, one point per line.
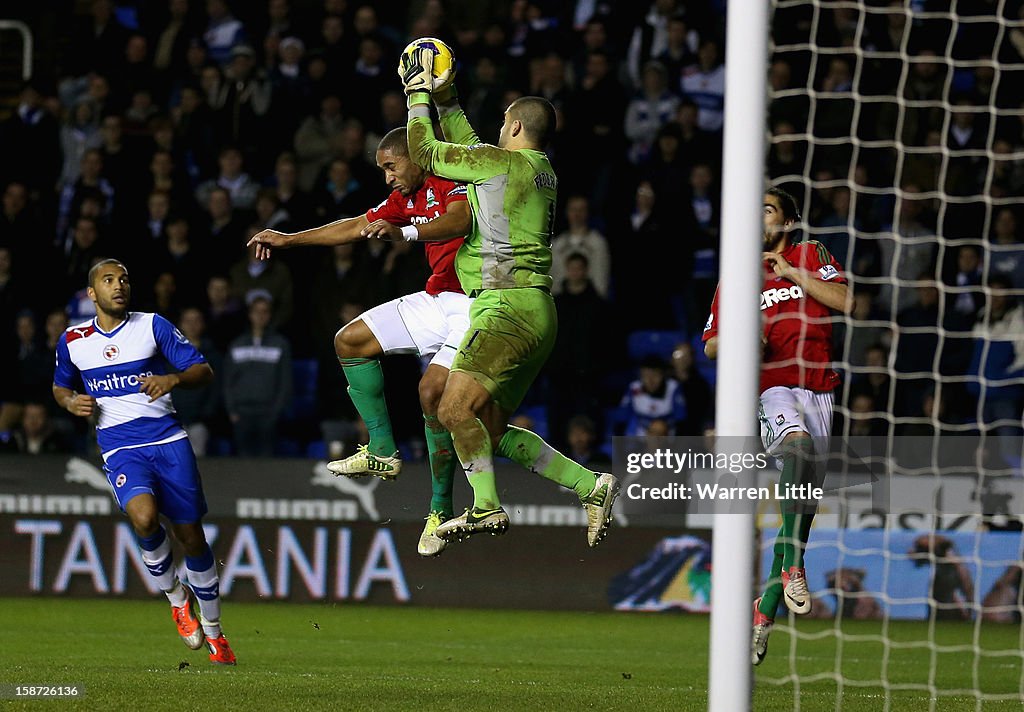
x=353, y=657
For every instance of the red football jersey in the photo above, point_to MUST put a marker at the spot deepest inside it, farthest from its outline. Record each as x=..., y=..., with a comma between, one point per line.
x=798, y=328
x=427, y=203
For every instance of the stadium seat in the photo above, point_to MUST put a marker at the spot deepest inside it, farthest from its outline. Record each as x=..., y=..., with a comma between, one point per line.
x=641, y=344
x=316, y=450
x=303, y=404
x=539, y=415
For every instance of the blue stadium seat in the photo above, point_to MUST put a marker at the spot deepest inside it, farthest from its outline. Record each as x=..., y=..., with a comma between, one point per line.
x=316, y=450
x=539, y=415
x=304, y=380
x=641, y=344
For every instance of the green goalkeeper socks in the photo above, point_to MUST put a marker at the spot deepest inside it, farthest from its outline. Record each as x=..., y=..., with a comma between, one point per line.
x=529, y=450
x=366, y=388
x=441, y=453
x=797, y=469
x=473, y=446
x=773, y=587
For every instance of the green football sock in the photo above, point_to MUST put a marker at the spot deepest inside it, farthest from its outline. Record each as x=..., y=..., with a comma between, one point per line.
x=797, y=469
x=366, y=389
x=529, y=450
x=473, y=446
x=441, y=453
x=773, y=587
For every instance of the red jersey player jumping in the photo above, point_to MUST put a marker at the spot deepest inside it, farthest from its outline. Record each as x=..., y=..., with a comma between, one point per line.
x=803, y=283
x=421, y=206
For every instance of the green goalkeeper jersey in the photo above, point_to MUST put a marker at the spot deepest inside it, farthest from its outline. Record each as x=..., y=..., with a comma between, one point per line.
x=512, y=194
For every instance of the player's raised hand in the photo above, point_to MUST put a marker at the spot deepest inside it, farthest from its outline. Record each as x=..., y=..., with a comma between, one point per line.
x=81, y=404
x=416, y=70
x=779, y=264
x=266, y=239
x=157, y=386
x=381, y=230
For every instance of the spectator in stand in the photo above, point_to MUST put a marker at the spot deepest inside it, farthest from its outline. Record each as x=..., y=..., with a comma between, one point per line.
x=33, y=364
x=30, y=145
x=654, y=396
x=317, y=140
x=36, y=435
x=583, y=443
x=650, y=109
x=10, y=296
x=577, y=359
x=90, y=179
x=257, y=381
x=97, y=40
x=79, y=133
x=194, y=132
x=292, y=89
x=251, y=275
x=681, y=48
x=224, y=316
x=966, y=299
x=223, y=32
x=839, y=217
x=580, y=238
x=704, y=84
x=371, y=77
x=787, y=154
x=696, y=392
x=650, y=39
x=549, y=81
x=182, y=258
x=999, y=359
x=292, y=199
x=593, y=117
x=198, y=407
x=134, y=73
x=903, y=258
x=239, y=184
x=341, y=195
x=242, y=105
x=223, y=240
x=1006, y=251
x=83, y=249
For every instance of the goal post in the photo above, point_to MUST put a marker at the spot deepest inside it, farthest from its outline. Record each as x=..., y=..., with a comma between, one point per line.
x=733, y=542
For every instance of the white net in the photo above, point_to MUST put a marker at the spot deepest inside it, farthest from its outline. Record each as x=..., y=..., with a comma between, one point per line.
x=898, y=125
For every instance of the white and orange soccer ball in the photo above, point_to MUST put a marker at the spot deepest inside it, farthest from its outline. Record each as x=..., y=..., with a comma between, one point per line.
x=444, y=60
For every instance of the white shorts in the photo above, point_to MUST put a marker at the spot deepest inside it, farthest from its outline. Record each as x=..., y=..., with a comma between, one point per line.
x=788, y=410
x=421, y=324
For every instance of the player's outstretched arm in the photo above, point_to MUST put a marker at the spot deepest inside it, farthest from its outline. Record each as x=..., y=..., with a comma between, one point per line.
x=454, y=124
x=73, y=402
x=454, y=223
x=338, y=232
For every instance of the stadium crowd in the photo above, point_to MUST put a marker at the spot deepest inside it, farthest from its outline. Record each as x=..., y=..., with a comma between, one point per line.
x=169, y=132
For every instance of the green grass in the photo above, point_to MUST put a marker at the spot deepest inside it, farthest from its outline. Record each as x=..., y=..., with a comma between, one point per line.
x=351, y=657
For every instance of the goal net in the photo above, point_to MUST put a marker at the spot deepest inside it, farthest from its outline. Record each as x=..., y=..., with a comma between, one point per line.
x=898, y=126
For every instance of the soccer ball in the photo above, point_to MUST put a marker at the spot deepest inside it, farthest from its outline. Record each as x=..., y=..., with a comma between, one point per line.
x=444, y=60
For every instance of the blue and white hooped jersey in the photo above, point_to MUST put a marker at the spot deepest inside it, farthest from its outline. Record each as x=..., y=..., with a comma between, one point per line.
x=110, y=365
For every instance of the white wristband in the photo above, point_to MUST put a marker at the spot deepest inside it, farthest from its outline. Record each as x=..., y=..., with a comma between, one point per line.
x=410, y=233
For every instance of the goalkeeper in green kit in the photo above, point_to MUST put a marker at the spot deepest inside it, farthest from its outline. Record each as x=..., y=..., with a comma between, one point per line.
x=503, y=266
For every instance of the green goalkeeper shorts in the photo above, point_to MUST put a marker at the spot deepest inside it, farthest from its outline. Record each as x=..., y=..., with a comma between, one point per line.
x=510, y=336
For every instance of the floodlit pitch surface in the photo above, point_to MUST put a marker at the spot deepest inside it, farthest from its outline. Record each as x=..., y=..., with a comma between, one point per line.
x=352, y=657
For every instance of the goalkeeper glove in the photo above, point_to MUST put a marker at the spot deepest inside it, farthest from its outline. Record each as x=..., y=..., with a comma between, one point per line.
x=416, y=70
